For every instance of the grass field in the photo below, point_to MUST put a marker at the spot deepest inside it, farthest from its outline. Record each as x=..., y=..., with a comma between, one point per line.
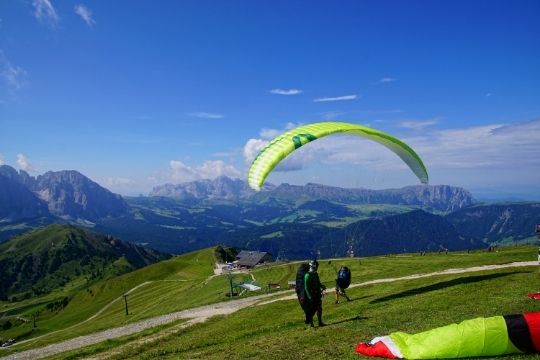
x=276, y=330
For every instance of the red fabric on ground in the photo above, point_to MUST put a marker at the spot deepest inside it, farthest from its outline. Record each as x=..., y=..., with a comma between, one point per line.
x=378, y=349
x=535, y=296
x=533, y=321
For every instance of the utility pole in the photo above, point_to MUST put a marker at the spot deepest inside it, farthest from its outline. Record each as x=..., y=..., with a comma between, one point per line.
x=230, y=276
x=125, y=295
x=537, y=231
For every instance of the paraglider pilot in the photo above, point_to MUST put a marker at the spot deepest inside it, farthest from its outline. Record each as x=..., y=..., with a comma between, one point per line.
x=313, y=291
x=342, y=282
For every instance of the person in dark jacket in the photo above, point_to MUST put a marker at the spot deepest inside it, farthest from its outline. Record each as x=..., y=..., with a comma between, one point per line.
x=314, y=290
x=342, y=282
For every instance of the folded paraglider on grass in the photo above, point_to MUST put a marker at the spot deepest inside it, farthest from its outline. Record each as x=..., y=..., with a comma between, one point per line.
x=492, y=336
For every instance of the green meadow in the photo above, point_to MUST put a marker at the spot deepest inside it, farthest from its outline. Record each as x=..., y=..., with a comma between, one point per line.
x=276, y=330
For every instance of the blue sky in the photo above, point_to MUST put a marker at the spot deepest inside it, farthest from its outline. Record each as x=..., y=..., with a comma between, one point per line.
x=135, y=94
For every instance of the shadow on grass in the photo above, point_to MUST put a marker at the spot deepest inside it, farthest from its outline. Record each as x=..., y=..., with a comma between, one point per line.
x=357, y=298
x=356, y=318
x=442, y=285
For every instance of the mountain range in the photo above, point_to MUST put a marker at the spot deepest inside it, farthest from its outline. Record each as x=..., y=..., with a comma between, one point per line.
x=439, y=198
x=66, y=194
x=290, y=221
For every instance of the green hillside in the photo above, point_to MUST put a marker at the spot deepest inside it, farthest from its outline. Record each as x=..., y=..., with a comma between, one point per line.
x=166, y=278
x=57, y=256
x=276, y=330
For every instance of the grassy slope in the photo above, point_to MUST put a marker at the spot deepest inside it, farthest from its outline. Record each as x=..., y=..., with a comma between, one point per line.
x=279, y=332
x=276, y=330
x=180, y=273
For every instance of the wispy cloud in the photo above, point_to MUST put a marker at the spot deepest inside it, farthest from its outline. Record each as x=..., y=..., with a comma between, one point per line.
x=210, y=169
x=488, y=94
x=269, y=134
x=12, y=77
x=497, y=147
x=44, y=11
x=286, y=91
x=331, y=115
x=86, y=14
x=24, y=163
x=2, y=162
x=418, y=125
x=252, y=148
x=337, y=98
x=206, y=115
x=119, y=182
x=386, y=80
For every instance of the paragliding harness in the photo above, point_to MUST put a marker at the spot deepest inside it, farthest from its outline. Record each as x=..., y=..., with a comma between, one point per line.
x=299, y=285
x=344, y=277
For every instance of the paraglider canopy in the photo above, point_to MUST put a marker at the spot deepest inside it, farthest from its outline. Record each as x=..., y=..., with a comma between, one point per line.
x=288, y=142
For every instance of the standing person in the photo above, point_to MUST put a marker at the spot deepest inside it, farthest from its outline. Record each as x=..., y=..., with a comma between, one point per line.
x=343, y=281
x=305, y=303
x=313, y=291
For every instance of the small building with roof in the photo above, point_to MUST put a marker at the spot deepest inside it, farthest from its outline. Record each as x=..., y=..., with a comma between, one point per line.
x=249, y=259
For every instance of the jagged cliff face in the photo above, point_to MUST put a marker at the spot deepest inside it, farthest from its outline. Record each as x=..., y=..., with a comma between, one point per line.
x=67, y=194
x=71, y=194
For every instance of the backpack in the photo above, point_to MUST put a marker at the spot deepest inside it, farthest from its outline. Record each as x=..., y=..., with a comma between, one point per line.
x=344, y=277
x=299, y=286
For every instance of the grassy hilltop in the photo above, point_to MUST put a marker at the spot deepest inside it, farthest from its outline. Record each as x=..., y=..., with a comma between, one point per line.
x=276, y=330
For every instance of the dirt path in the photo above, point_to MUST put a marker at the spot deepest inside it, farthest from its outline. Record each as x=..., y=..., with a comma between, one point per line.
x=201, y=314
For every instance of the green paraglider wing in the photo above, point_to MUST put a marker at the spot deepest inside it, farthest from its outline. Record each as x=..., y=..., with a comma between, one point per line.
x=285, y=144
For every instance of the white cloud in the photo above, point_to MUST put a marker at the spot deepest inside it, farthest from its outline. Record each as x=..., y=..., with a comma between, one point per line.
x=418, y=125
x=488, y=94
x=2, y=162
x=85, y=13
x=119, y=182
x=206, y=115
x=44, y=11
x=286, y=91
x=386, y=80
x=210, y=169
x=123, y=185
x=269, y=134
x=252, y=148
x=294, y=161
x=24, y=163
x=12, y=77
x=337, y=98
x=213, y=168
x=502, y=147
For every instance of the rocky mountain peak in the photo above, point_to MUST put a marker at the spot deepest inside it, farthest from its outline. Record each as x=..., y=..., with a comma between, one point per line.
x=67, y=194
